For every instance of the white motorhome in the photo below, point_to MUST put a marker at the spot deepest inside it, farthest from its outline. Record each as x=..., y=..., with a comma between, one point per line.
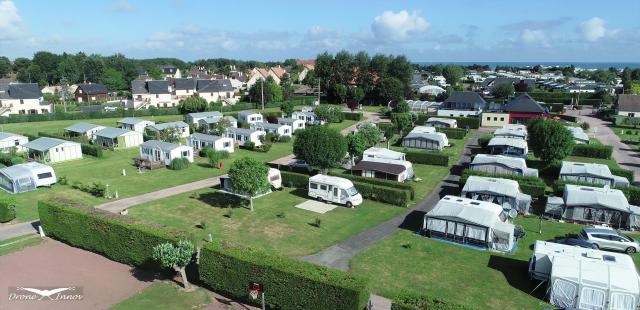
x=334, y=189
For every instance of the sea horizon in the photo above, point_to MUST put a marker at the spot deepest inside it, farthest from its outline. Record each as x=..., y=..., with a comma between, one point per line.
x=577, y=64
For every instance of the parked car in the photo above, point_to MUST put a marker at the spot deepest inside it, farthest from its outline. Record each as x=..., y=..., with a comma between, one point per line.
x=576, y=242
x=606, y=238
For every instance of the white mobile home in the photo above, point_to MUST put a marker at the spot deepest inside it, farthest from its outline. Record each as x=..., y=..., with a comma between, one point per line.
x=283, y=130
x=242, y=135
x=502, y=165
x=441, y=122
x=308, y=116
x=115, y=138
x=378, y=152
x=508, y=147
x=580, y=278
x=334, y=189
x=591, y=173
x=428, y=141
x=25, y=177
x=83, y=130
x=382, y=168
x=295, y=124
x=9, y=141
x=53, y=150
x=180, y=127
x=274, y=178
x=199, y=141
x=503, y=192
x=469, y=221
x=250, y=117
x=579, y=136
x=135, y=124
x=154, y=150
x=211, y=123
x=194, y=118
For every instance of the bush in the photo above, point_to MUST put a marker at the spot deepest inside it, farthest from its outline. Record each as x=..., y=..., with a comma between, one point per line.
x=554, y=107
x=395, y=196
x=289, y=283
x=585, y=126
x=380, y=182
x=249, y=145
x=483, y=141
x=97, y=189
x=265, y=147
x=16, y=160
x=453, y=133
x=463, y=122
x=58, y=116
x=285, y=139
x=295, y=180
x=179, y=163
x=353, y=116
x=328, y=113
x=93, y=150
x=593, y=151
x=411, y=301
x=7, y=209
x=427, y=158
x=116, y=237
x=623, y=173
x=529, y=185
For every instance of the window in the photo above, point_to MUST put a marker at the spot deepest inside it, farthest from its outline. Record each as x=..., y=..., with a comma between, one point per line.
x=185, y=154
x=166, y=155
x=323, y=187
x=502, y=119
x=16, y=142
x=495, y=119
x=44, y=175
x=488, y=118
x=61, y=149
x=226, y=144
x=157, y=96
x=21, y=101
x=313, y=185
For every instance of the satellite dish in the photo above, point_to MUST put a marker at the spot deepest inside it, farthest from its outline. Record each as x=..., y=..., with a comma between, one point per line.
x=513, y=213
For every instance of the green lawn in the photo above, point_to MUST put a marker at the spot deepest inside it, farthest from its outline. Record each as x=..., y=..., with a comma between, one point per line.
x=165, y=295
x=275, y=225
x=484, y=279
x=629, y=136
x=18, y=243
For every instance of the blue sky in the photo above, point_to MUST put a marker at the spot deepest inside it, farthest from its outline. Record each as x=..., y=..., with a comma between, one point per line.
x=453, y=30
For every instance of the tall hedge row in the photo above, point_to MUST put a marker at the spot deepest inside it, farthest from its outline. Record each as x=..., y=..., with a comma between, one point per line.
x=353, y=116
x=117, y=237
x=411, y=301
x=394, y=196
x=427, y=158
x=593, y=150
x=288, y=283
x=623, y=173
x=453, y=133
x=375, y=181
x=7, y=209
x=58, y=116
x=293, y=179
x=529, y=185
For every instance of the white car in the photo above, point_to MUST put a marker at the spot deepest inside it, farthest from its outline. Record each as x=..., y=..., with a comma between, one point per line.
x=606, y=238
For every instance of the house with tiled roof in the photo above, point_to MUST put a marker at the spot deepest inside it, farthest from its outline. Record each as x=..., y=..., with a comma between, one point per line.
x=462, y=104
x=91, y=92
x=523, y=108
x=170, y=72
x=216, y=90
x=257, y=74
x=628, y=105
x=22, y=98
x=307, y=65
x=151, y=94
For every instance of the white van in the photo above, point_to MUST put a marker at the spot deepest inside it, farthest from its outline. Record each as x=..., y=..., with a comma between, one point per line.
x=334, y=189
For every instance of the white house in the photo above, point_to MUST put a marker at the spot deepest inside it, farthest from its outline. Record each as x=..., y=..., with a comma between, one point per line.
x=283, y=130
x=53, y=150
x=216, y=90
x=111, y=137
x=309, y=117
x=9, y=140
x=199, y=141
x=22, y=98
x=184, y=88
x=83, y=130
x=628, y=105
x=242, y=135
x=25, y=177
x=181, y=127
x=154, y=150
x=250, y=117
x=135, y=124
x=170, y=72
x=147, y=94
x=194, y=118
x=295, y=124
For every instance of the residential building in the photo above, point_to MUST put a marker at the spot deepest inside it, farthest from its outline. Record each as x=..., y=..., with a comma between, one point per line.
x=118, y=138
x=194, y=118
x=309, y=117
x=250, y=117
x=627, y=105
x=296, y=124
x=91, y=92
x=53, y=150
x=463, y=104
x=22, y=98
x=83, y=130
x=184, y=88
x=170, y=72
x=151, y=94
x=160, y=151
x=199, y=141
x=524, y=108
x=11, y=141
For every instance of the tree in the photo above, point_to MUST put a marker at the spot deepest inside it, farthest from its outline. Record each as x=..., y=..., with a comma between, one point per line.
x=249, y=177
x=341, y=92
x=192, y=104
x=171, y=135
x=114, y=80
x=328, y=113
x=221, y=126
x=453, y=74
x=269, y=88
x=402, y=107
x=33, y=74
x=68, y=69
x=355, y=146
x=5, y=66
x=390, y=89
x=635, y=88
x=154, y=72
x=370, y=133
x=402, y=122
x=175, y=256
x=503, y=91
x=48, y=64
x=320, y=146
x=549, y=140
x=92, y=69
x=21, y=63
x=287, y=108
x=356, y=94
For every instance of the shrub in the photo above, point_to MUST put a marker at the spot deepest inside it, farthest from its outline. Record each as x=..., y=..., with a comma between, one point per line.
x=265, y=147
x=114, y=236
x=411, y=301
x=16, y=160
x=63, y=180
x=93, y=150
x=7, y=209
x=380, y=182
x=270, y=137
x=585, y=126
x=592, y=150
x=249, y=145
x=554, y=107
x=328, y=113
x=453, y=133
x=483, y=141
x=179, y=163
x=97, y=189
x=529, y=185
x=463, y=122
x=289, y=283
x=623, y=173
x=427, y=158
x=296, y=180
x=285, y=138
x=353, y=116
x=395, y=196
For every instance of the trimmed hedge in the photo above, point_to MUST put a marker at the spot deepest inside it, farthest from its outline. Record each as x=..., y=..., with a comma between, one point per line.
x=353, y=116
x=411, y=301
x=375, y=181
x=7, y=209
x=463, y=122
x=395, y=196
x=623, y=173
x=427, y=158
x=554, y=107
x=483, y=141
x=116, y=237
x=179, y=163
x=565, y=117
x=529, y=185
x=295, y=180
x=58, y=116
x=93, y=150
x=288, y=283
x=593, y=151
x=453, y=133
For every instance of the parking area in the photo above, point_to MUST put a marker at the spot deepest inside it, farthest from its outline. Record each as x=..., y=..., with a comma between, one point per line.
x=316, y=206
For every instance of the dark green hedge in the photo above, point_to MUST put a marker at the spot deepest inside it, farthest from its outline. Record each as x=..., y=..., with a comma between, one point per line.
x=93, y=150
x=374, y=181
x=453, y=133
x=293, y=179
x=114, y=236
x=565, y=117
x=623, y=173
x=411, y=301
x=395, y=196
x=554, y=107
x=353, y=116
x=7, y=209
x=593, y=151
x=483, y=141
x=463, y=122
x=427, y=158
x=529, y=185
x=288, y=283
x=58, y=116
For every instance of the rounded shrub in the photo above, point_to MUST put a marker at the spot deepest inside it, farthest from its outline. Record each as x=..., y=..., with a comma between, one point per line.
x=7, y=209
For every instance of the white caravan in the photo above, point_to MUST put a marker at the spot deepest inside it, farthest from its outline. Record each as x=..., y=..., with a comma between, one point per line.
x=334, y=189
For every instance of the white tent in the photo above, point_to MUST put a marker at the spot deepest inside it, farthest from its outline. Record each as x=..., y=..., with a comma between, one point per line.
x=586, y=278
x=591, y=173
x=511, y=132
x=579, y=136
x=470, y=221
x=508, y=146
x=503, y=192
x=502, y=164
x=379, y=152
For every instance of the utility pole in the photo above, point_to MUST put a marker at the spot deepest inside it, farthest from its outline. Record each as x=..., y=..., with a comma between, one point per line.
x=262, y=91
x=318, y=91
x=65, y=89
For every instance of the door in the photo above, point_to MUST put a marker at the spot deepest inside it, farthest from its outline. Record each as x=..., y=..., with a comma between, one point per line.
x=330, y=196
x=336, y=196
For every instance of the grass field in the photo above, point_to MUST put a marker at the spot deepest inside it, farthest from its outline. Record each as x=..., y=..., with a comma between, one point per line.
x=17, y=244
x=275, y=225
x=629, y=136
x=165, y=295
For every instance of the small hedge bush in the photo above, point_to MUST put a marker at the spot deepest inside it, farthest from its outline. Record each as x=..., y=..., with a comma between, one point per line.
x=529, y=185
x=116, y=237
x=295, y=180
x=97, y=189
x=374, y=181
x=410, y=301
x=93, y=150
x=592, y=151
x=288, y=283
x=179, y=163
x=453, y=133
x=483, y=141
x=623, y=173
x=395, y=196
x=427, y=158
x=464, y=122
x=7, y=209
x=353, y=116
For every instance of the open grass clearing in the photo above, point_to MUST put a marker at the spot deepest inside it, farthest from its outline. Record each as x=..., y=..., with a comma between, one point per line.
x=165, y=295
x=18, y=243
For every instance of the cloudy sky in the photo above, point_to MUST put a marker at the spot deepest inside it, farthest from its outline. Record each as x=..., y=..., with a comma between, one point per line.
x=424, y=30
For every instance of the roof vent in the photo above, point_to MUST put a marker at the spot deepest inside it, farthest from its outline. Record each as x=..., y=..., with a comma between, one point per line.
x=608, y=258
x=475, y=203
x=587, y=189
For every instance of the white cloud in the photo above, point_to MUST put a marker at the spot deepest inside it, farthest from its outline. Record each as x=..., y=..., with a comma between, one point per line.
x=397, y=27
x=123, y=6
x=594, y=29
x=319, y=37
x=11, y=25
x=536, y=36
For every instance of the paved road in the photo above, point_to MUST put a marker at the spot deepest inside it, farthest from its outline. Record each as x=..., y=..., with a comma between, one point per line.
x=339, y=255
x=373, y=117
x=622, y=153
x=20, y=229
